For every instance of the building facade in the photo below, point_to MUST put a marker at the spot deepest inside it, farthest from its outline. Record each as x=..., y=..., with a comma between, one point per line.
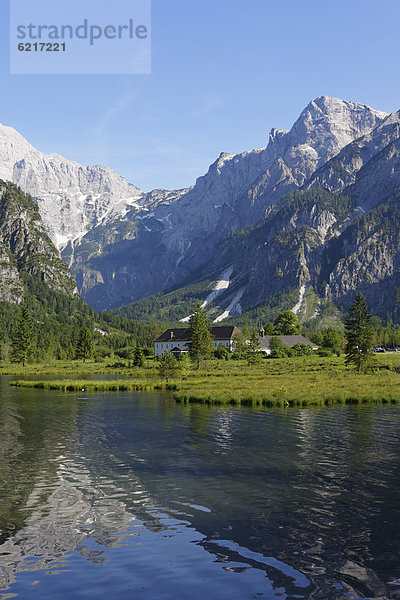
x=178, y=341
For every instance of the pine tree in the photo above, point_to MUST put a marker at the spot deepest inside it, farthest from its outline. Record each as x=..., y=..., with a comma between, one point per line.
x=359, y=333
x=138, y=357
x=22, y=339
x=253, y=349
x=167, y=366
x=84, y=345
x=201, y=340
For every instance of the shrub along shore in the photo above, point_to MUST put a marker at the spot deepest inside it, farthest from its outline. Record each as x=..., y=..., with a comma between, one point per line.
x=302, y=381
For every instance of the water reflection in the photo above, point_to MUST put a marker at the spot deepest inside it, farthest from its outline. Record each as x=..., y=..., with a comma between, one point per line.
x=232, y=503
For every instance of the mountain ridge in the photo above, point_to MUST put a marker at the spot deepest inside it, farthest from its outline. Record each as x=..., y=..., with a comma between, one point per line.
x=240, y=217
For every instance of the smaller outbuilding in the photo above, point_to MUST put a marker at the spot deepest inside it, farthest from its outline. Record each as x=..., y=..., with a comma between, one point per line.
x=287, y=340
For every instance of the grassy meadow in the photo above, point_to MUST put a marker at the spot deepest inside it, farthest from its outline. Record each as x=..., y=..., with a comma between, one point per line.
x=299, y=381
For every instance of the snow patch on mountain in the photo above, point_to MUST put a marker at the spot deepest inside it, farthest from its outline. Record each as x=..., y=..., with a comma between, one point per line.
x=220, y=286
x=234, y=308
x=296, y=308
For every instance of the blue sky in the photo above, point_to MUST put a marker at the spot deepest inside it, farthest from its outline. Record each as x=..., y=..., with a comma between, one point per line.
x=223, y=73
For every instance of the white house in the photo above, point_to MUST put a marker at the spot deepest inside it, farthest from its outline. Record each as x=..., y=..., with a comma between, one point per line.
x=177, y=340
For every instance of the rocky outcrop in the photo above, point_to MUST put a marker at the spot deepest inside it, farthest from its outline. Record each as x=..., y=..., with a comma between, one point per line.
x=342, y=170
x=26, y=252
x=72, y=198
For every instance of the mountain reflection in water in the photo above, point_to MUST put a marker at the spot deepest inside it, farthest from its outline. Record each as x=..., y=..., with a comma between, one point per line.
x=135, y=496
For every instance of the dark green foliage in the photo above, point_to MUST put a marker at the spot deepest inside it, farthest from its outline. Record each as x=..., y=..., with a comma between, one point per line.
x=240, y=343
x=222, y=353
x=359, y=334
x=84, y=345
x=338, y=204
x=293, y=241
x=277, y=348
x=328, y=339
x=143, y=333
x=324, y=352
x=167, y=307
x=201, y=340
x=269, y=329
x=138, y=357
x=57, y=317
x=386, y=337
x=286, y=323
x=184, y=365
x=126, y=352
x=22, y=339
x=167, y=366
x=253, y=349
x=300, y=350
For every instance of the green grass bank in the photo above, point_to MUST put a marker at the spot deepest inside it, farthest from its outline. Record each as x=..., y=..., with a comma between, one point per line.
x=298, y=381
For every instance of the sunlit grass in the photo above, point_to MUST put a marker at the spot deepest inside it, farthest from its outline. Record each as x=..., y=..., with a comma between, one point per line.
x=77, y=368
x=83, y=385
x=284, y=382
x=300, y=381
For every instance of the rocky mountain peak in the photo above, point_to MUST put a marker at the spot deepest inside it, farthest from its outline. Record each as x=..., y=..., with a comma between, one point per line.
x=123, y=244
x=328, y=124
x=13, y=148
x=323, y=128
x=72, y=198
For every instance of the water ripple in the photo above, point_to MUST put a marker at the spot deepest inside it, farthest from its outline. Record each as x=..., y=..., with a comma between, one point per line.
x=131, y=493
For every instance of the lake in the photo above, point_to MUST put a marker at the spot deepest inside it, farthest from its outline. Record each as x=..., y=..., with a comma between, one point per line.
x=132, y=496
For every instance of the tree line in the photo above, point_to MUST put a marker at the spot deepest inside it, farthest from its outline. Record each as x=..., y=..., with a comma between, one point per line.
x=23, y=340
x=358, y=336
x=357, y=340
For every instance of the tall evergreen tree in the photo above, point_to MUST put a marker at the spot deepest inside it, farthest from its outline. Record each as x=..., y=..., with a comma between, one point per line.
x=201, y=340
x=359, y=333
x=253, y=349
x=138, y=357
x=22, y=339
x=84, y=345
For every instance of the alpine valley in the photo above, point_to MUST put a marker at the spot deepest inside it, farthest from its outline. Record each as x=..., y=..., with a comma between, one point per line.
x=300, y=224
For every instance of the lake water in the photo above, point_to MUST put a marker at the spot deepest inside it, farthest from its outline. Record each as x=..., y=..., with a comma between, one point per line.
x=131, y=496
